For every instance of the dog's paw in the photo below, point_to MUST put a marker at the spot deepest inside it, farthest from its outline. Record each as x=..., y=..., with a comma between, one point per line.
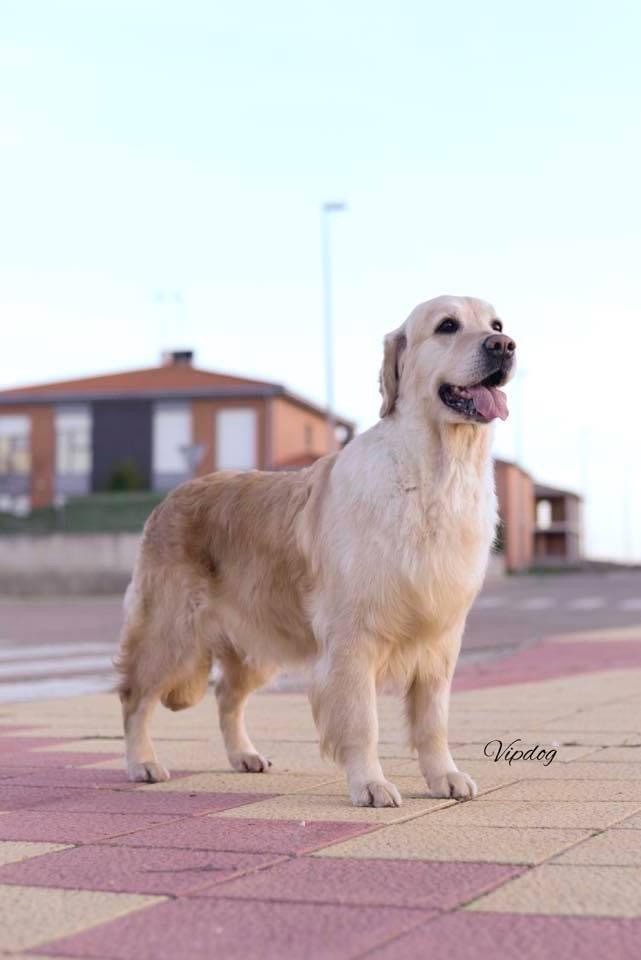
x=376, y=793
x=147, y=772
x=250, y=763
x=457, y=785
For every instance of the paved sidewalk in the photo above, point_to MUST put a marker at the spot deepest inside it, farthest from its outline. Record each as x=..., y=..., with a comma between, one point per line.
x=545, y=863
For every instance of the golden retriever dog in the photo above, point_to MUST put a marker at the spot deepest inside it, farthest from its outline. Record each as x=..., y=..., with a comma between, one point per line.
x=363, y=566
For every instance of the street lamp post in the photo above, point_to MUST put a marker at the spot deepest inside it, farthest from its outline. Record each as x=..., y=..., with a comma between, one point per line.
x=326, y=211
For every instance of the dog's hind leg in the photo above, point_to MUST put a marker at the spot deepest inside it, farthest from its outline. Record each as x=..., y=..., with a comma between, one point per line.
x=142, y=762
x=162, y=657
x=235, y=680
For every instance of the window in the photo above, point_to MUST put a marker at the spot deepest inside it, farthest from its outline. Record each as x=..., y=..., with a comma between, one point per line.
x=544, y=514
x=236, y=439
x=15, y=455
x=171, y=438
x=73, y=441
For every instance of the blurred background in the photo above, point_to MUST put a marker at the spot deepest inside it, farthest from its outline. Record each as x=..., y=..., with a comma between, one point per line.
x=212, y=213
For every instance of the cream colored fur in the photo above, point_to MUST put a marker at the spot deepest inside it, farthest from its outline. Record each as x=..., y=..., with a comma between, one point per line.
x=364, y=566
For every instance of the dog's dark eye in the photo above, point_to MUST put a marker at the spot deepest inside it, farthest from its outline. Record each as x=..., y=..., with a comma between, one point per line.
x=449, y=325
x=496, y=325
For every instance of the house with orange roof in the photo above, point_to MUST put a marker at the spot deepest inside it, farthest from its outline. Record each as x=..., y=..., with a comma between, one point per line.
x=162, y=424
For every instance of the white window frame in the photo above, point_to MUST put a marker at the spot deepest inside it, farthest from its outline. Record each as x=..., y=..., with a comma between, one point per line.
x=236, y=448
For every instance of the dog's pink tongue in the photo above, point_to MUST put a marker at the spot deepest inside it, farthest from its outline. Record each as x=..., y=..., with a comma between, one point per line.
x=490, y=402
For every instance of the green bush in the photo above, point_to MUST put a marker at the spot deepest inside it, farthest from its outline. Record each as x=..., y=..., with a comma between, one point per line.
x=118, y=512
x=125, y=476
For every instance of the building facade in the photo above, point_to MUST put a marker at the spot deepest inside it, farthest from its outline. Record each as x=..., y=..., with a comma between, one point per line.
x=515, y=494
x=159, y=426
x=557, y=533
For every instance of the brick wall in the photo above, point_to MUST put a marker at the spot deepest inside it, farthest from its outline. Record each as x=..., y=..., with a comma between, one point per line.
x=290, y=438
x=515, y=491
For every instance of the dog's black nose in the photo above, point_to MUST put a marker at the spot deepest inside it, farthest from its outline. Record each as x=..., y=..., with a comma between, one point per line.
x=499, y=345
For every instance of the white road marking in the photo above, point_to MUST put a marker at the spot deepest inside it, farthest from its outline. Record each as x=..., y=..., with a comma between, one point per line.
x=489, y=602
x=537, y=603
x=632, y=603
x=43, y=689
x=13, y=650
x=90, y=664
x=586, y=603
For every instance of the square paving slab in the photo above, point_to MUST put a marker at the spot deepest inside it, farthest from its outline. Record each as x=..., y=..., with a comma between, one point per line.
x=382, y=883
x=425, y=839
x=625, y=791
x=13, y=851
x=251, y=836
x=536, y=813
x=612, y=848
x=131, y=869
x=564, y=889
x=144, y=801
x=46, y=827
x=330, y=807
x=30, y=915
x=476, y=936
x=207, y=929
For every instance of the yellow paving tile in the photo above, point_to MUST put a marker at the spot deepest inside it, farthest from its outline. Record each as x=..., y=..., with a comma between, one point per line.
x=570, y=790
x=537, y=813
x=487, y=775
x=511, y=719
x=607, y=718
x=633, y=823
x=88, y=745
x=628, y=754
x=226, y=782
x=331, y=807
x=565, y=889
x=618, y=848
x=427, y=839
x=12, y=852
x=531, y=770
x=33, y=915
x=410, y=787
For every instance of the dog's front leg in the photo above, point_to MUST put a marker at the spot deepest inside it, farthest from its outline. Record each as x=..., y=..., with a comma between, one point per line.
x=343, y=698
x=427, y=701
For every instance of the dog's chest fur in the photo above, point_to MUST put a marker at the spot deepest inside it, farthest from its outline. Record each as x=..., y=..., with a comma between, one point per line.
x=432, y=556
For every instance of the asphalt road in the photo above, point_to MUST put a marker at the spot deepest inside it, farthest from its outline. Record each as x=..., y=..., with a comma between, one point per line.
x=52, y=647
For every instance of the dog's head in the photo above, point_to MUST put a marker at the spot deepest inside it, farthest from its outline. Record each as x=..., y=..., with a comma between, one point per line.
x=448, y=360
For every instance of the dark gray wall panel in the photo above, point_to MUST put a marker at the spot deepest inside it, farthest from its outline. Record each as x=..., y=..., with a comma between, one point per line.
x=121, y=431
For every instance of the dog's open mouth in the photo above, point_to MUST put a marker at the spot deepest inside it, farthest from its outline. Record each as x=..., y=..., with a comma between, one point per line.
x=480, y=401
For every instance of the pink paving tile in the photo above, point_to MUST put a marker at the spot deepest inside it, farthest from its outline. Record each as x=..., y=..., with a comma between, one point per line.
x=18, y=745
x=41, y=825
x=18, y=797
x=14, y=772
x=132, y=870
x=383, y=883
x=9, y=731
x=468, y=936
x=237, y=930
x=32, y=758
x=145, y=801
x=247, y=835
x=81, y=777
x=546, y=661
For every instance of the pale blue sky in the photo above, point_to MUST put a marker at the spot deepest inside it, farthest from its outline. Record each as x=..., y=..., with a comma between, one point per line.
x=490, y=149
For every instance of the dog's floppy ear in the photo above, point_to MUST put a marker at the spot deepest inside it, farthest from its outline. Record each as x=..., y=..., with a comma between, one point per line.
x=393, y=346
